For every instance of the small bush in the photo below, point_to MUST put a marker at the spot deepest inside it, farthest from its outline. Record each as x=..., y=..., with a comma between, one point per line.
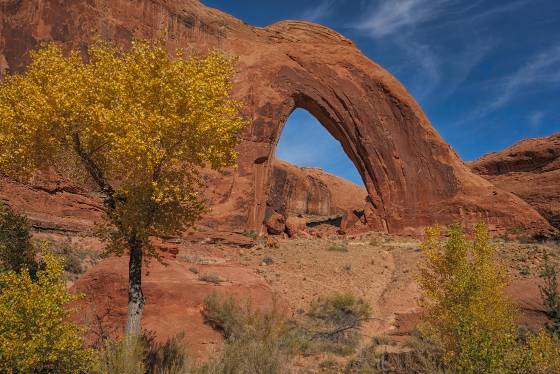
x=125, y=356
x=338, y=247
x=250, y=234
x=332, y=323
x=35, y=336
x=16, y=250
x=419, y=357
x=210, y=278
x=256, y=341
x=143, y=355
x=551, y=297
x=194, y=270
x=165, y=358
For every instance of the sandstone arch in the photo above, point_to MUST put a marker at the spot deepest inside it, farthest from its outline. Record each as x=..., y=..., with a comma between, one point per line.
x=412, y=176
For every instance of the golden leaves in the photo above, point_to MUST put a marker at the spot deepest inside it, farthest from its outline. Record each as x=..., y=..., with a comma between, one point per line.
x=146, y=119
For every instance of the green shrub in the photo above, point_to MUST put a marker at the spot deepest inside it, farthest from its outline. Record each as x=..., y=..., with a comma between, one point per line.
x=551, y=297
x=16, y=250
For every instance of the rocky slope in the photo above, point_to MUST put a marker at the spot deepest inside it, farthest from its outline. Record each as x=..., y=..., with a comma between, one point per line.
x=412, y=177
x=312, y=191
x=531, y=170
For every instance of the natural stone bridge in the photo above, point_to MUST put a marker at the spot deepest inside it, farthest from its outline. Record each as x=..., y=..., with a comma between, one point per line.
x=412, y=176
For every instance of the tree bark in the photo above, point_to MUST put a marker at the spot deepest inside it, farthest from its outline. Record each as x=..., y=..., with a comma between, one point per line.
x=135, y=295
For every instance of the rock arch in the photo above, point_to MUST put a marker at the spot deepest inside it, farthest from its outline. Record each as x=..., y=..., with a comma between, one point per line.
x=412, y=176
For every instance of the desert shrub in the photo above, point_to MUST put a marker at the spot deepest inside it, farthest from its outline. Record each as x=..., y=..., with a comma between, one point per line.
x=551, y=297
x=255, y=341
x=16, y=250
x=332, y=323
x=210, y=278
x=125, y=356
x=338, y=247
x=165, y=358
x=35, y=336
x=420, y=356
x=541, y=355
x=466, y=313
x=143, y=355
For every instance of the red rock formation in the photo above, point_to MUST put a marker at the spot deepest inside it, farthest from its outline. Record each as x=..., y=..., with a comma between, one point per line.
x=531, y=170
x=312, y=191
x=412, y=177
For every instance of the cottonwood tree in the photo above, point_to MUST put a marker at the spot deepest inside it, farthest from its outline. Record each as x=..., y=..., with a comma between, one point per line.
x=137, y=123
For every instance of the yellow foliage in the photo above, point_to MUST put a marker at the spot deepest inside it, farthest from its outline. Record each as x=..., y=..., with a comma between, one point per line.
x=34, y=333
x=138, y=122
x=466, y=312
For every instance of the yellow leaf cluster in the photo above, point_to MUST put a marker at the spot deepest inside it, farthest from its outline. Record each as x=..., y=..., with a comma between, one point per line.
x=466, y=312
x=34, y=333
x=139, y=123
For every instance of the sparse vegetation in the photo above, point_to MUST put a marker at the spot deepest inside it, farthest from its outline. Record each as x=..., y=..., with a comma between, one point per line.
x=260, y=342
x=338, y=247
x=332, y=323
x=194, y=270
x=418, y=356
x=143, y=355
x=210, y=278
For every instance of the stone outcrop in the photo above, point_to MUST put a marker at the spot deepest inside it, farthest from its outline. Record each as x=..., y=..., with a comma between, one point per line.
x=529, y=169
x=311, y=191
x=412, y=177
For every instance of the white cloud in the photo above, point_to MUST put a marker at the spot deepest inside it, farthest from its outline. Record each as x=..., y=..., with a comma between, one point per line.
x=390, y=17
x=542, y=70
x=319, y=12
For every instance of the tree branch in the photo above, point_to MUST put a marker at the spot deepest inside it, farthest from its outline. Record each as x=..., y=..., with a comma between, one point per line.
x=95, y=172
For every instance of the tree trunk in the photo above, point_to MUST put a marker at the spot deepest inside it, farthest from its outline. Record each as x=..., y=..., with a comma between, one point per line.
x=135, y=295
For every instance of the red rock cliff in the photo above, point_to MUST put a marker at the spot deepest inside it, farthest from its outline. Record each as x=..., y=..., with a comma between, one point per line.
x=531, y=170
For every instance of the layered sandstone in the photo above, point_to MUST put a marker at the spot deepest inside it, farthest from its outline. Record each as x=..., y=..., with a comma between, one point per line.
x=529, y=169
x=311, y=191
x=412, y=177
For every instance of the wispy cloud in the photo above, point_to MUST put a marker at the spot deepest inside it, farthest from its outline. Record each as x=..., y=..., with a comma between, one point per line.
x=389, y=17
x=535, y=119
x=318, y=12
x=539, y=72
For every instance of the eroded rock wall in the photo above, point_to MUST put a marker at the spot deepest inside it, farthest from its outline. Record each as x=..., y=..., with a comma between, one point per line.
x=529, y=169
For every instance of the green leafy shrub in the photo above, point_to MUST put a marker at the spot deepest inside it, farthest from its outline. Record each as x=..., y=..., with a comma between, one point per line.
x=16, y=250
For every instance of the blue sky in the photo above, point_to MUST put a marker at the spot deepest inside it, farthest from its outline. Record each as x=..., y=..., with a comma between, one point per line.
x=486, y=72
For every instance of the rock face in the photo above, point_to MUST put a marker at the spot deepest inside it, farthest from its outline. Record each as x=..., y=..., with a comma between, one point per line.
x=412, y=177
x=531, y=170
x=312, y=191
